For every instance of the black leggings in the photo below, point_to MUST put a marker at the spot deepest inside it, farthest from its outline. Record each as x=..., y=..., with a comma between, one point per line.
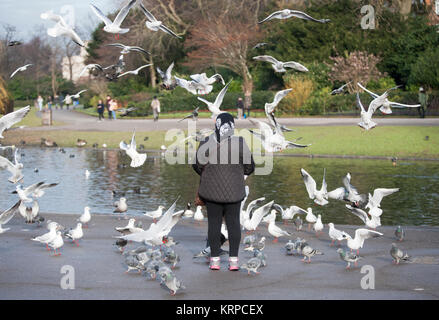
x=215, y=214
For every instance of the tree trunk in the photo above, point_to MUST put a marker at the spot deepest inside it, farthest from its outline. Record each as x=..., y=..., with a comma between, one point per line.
x=247, y=87
x=152, y=73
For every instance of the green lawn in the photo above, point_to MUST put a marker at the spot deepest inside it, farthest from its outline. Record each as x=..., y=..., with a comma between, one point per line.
x=404, y=141
x=32, y=120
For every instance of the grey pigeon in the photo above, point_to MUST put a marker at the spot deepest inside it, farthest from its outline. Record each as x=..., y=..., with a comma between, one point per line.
x=398, y=255
x=260, y=255
x=172, y=283
x=170, y=256
x=252, y=265
x=133, y=264
x=308, y=252
x=399, y=233
x=298, y=223
x=152, y=267
x=349, y=257
x=289, y=247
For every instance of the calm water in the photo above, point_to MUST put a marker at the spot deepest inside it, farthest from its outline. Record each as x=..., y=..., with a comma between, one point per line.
x=417, y=202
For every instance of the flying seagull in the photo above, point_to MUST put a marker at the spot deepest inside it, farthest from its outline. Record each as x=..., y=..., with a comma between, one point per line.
x=206, y=82
x=7, y=215
x=114, y=26
x=23, y=68
x=76, y=96
x=193, y=115
x=12, y=118
x=319, y=196
x=167, y=77
x=287, y=13
x=339, y=90
x=155, y=25
x=127, y=49
x=215, y=106
x=14, y=168
x=91, y=66
x=136, y=72
x=61, y=28
x=137, y=159
x=280, y=66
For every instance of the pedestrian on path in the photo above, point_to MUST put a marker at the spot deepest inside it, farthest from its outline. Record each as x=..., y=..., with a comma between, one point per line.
x=68, y=101
x=101, y=109
x=113, y=108
x=107, y=106
x=40, y=103
x=423, y=100
x=155, y=105
x=240, y=107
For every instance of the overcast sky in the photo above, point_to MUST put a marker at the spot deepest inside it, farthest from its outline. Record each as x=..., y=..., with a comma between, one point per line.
x=25, y=14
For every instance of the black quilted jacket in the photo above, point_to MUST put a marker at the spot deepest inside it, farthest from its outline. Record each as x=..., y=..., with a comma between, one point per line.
x=222, y=167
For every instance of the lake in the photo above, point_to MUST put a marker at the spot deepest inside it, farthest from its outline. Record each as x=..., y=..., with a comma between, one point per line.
x=417, y=202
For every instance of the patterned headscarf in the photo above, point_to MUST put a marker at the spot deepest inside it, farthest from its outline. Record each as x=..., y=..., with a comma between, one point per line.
x=224, y=126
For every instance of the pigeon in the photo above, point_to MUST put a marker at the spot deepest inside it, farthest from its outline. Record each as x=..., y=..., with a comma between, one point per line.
x=129, y=228
x=349, y=257
x=206, y=82
x=134, y=264
x=318, y=226
x=171, y=256
x=121, y=243
x=121, y=205
x=256, y=245
x=23, y=68
x=7, y=121
x=252, y=265
x=193, y=115
x=308, y=252
x=310, y=217
x=335, y=234
x=152, y=267
x=155, y=214
x=15, y=168
x=399, y=233
x=274, y=230
x=289, y=247
x=319, y=196
x=155, y=25
x=85, y=217
x=172, y=283
x=398, y=255
x=137, y=159
x=167, y=81
x=298, y=222
x=114, y=26
x=135, y=72
x=374, y=202
x=339, y=90
x=61, y=28
x=287, y=13
x=280, y=66
x=250, y=240
x=215, y=106
x=386, y=105
x=360, y=235
x=348, y=193
x=30, y=214
x=252, y=223
x=127, y=49
x=7, y=215
x=372, y=222
x=56, y=243
x=75, y=234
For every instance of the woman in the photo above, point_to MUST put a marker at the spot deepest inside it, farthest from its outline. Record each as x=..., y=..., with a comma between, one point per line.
x=101, y=109
x=113, y=108
x=222, y=160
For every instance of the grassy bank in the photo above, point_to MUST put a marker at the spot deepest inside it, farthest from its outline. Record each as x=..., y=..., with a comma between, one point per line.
x=399, y=141
x=33, y=119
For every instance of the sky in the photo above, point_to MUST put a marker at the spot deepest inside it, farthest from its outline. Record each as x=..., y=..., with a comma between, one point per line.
x=24, y=15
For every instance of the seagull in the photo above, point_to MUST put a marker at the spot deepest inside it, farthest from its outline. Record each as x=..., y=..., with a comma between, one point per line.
x=61, y=28
x=366, y=116
x=245, y=214
x=30, y=214
x=121, y=205
x=318, y=226
x=386, y=105
x=206, y=82
x=85, y=217
x=348, y=193
x=15, y=168
x=114, y=26
x=335, y=234
x=12, y=118
x=259, y=45
x=215, y=106
x=269, y=107
x=274, y=230
x=87, y=173
x=135, y=72
x=399, y=233
x=188, y=213
x=48, y=236
x=374, y=203
x=75, y=234
x=360, y=235
x=76, y=96
x=287, y=214
x=7, y=215
x=287, y=13
x=14, y=43
x=127, y=49
x=280, y=66
x=155, y=214
x=190, y=86
x=198, y=215
x=310, y=217
x=137, y=159
x=398, y=255
x=339, y=90
x=372, y=222
x=36, y=190
x=167, y=77
x=155, y=25
x=23, y=68
x=125, y=111
x=252, y=223
x=320, y=196
x=129, y=228
x=56, y=243
x=349, y=257
x=91, y=66
x=193, y=115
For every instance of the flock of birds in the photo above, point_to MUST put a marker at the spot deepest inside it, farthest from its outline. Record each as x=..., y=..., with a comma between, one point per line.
x=156, y=251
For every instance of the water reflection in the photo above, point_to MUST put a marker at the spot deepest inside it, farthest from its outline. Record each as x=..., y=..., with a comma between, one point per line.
x=160, y=184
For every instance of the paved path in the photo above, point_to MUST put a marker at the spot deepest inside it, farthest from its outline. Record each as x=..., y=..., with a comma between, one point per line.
x=78, y=121
x=27, y=271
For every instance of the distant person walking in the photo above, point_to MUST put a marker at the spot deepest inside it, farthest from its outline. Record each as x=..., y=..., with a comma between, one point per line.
x=101, y=109
x=155, y=105
x=247, y=109
x=40, y=103
x=68, y=101
x=423, y=100
x=113, y=108
x=240, y=107
x=56, y=100
x=49, y=103
x=107, y=106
